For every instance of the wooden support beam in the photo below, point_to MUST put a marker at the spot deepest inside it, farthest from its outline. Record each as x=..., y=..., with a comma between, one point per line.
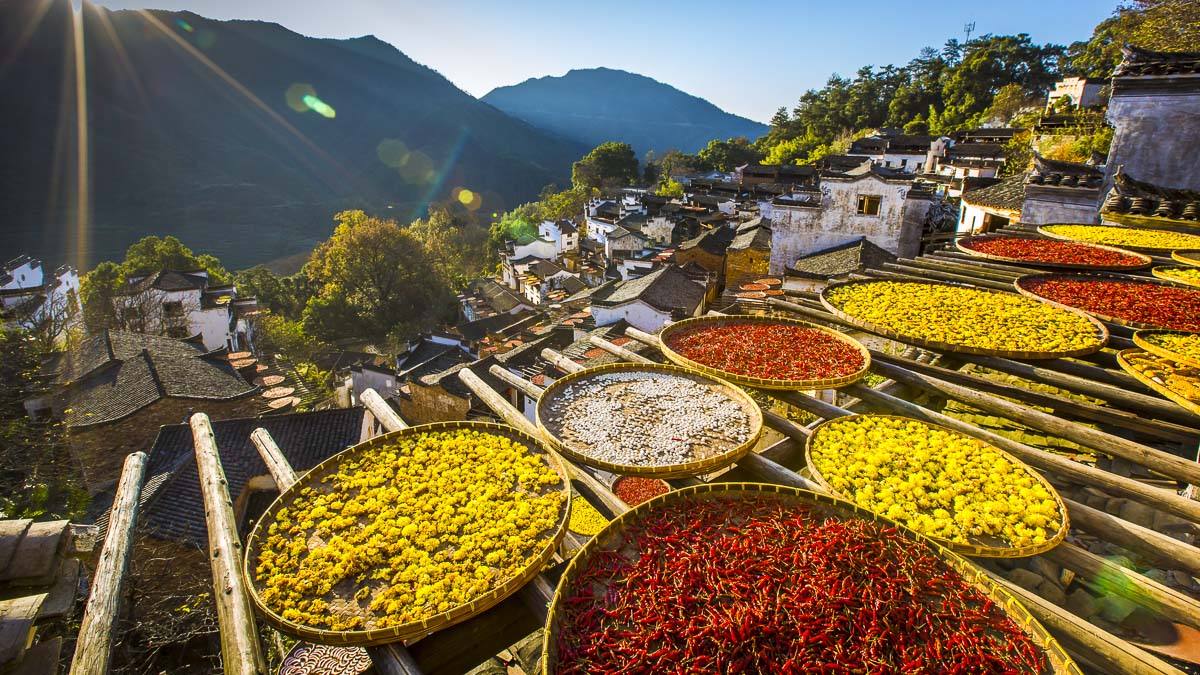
x=281, y=470
x=958, y=267
x=1129, y=584
x=1105, y=651
x=1164, y=500
x=1159, y=548
x=508, y=377
x=561, y=362
x=383, y=412
x=618, y=351
x=93, y=647
x=947, y=276
x=1166, y=464
x=240, y=652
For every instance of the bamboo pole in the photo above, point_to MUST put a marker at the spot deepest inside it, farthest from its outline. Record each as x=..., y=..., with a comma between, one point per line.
x=93, y=647
x=1163, y=550
x=561, y=362
x=947, y=276
x=1105, y=651
x=240, y=651
x=618, y=350
x=1161, y=499
x=1129, y=584
x=282, y=471
x=926, y=262
x=508, y=377
x=382, y=411
x=1166, y=464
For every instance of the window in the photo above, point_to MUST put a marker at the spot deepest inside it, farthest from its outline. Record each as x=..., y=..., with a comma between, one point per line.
x=903, y=163
x=868, y=205
x=173, y=308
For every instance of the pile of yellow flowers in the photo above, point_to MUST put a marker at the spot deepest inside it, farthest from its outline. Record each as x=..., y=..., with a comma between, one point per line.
x=1186, y=345
x=1162, y=240
x=1181, y=379
x=585, y=519
x=967, y=317
x=934, y=480
x=1183, y=275
x=410, y=530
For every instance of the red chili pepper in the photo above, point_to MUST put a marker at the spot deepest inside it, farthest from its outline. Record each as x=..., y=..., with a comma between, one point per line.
x=769, y=351
x=1052, y=251
x=634, y=491
x=1145, y=302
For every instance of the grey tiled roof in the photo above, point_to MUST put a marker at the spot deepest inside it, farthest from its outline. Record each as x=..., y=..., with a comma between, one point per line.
x=1055, y=173
x=1139, y=62
x=843, y=259
x=1135, y=197
x=667, y=288
x=1007, y=194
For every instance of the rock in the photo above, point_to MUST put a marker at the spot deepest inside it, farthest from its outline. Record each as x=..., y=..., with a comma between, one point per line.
x=1165, y=522
x=1005, y=563
x=1052, y=592
x=1184, y=580
x=1066, y=578
x=1120, y=560
x=1122, y=467
x=1025, y=579
x=1082, y=603
x=1113, y=506
x=1116, y=609
x=1096, y=501
x=1045, y=568
x=1161, y=576
x=529, y=652
x=1139, y=514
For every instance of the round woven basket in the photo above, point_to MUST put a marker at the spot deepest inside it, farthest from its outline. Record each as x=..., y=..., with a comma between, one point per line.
x=937, y=345
x=1187, y=257
x=977, y=550
x=1161, y=389
x=1164, y=272
x=614, y=536
x=706, y=465
x=1142, y=338
x=1042, y=229
x=961, y=245
x=758, y=382
x=1020, y=281
x=425, y=626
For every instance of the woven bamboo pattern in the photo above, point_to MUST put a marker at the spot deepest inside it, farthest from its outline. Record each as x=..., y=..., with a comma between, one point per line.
x=1142, y=338
x=758, y=382
x=615, y=534
x=961, y=245
x=416, y=628
x=1160, y=389
x=1020, y=281
x=694, y=468
x=1164, y=272
x=1186, y=257
x=937, y=345
x=972, y=550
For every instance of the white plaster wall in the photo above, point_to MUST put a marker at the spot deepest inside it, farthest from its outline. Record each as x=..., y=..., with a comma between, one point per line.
x=637, y=313
x=365, y=379
x=1155, y=137
x=25, y=275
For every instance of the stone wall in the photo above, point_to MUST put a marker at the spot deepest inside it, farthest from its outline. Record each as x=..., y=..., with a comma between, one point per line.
x=746, y=265
x=1063, y=205
x=1155, y=137
x=710, y=262
x=427, y=404
x=101, y=450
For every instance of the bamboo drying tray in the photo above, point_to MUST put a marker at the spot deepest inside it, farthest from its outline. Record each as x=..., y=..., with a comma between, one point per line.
x=1141, y=249
x=937, y=345
x=1161, y=389
x=1142, y=337
x=758, y=382
x=614, y=535
x=1187, y=257
x=1019, y=282
x=977, y=550
x=1163, y=272
x=423, y=627
x=707, y=465
x=1146, y=261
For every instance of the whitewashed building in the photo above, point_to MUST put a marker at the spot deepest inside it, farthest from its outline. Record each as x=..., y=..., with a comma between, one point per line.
x=1081, y=92
x=648, y=303
x=37, y=301
x=562, y=232
x=184, y=304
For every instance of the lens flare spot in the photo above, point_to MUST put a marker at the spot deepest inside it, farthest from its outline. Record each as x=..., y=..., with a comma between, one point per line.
x=465, y=196
x=468, y=198
x=416, y=167
x=320, y=107
x=184, y=26
x=392, y=152
x=295, y=96
x=205, y=39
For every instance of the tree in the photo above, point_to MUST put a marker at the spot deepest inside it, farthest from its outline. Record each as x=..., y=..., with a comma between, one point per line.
x=153, y=254
x=1009, y=101
x=284, y=295
x=1161, y=25
x=730, y=154
x=373, y=281
x=522, y=222
x=454, y=246
x=670, y=188
x=609, y=165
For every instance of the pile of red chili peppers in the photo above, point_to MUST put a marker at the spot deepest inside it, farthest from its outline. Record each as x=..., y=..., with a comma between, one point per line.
x=1157, y=305
x=767, y=350
x=762, y=585
x=1052, y=251
x=633, y=490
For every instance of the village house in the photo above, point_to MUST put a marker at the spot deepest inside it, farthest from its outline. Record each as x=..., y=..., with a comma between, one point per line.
x=562, y=232
x=115, y=389
x=1078, y=91
x=748, y=256
x=1155, y=113
x=649, y=302
x=40, y=302
x=706, y=250
x=814, y=271
x=486, y=297
x=181, y=304
x=991, y=208
x=963, y=159
x=1132, y=202
x=1061, y=192
x=750, y=175
x=905, y=152
x=622, y=243
x=882, y=205
x=543, y=278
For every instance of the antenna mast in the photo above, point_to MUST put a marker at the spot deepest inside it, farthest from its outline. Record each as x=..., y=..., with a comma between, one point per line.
x=968, y=29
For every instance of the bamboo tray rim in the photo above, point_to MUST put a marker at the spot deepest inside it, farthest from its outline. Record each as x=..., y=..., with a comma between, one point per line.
x=1162, y=390
x=693, y=468
x=938, y=345
x=1146, y=261
x=1163, y=272
x=759, y=382
x=1187, y=256
x=1140, y=249
x=454, y=615
x=1140, y=338
x=1058, y=659
x=1017, y=284
x=973, y=550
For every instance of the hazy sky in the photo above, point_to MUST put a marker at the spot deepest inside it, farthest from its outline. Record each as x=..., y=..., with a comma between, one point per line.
x=746, y=56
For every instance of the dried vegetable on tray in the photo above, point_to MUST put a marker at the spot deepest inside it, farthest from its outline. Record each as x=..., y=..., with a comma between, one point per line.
x=1142, y=303
x=1052, y=252
x=1176, y=381
x=1125, y=237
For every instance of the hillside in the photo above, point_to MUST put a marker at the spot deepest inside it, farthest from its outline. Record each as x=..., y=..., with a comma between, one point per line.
x=192, y=132
x=601, y=104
